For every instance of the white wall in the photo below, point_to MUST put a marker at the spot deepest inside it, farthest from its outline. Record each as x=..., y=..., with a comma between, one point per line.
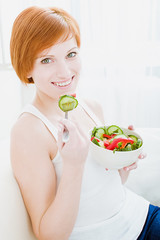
x=13, y=96
x=134, y=100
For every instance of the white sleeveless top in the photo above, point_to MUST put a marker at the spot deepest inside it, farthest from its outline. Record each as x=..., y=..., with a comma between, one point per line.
x=107, y=210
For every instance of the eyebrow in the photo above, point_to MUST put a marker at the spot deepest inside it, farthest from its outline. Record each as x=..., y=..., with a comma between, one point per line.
x=46, y=55
x=72, y=49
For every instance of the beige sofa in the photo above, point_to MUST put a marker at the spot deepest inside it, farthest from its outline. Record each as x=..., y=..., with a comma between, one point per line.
x=14, y=221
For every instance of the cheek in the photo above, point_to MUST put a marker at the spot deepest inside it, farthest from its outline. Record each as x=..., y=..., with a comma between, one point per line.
x=41, y=74
x=78, y=66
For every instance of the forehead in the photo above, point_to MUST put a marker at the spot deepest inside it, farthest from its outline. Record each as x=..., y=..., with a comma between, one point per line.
x=60, y=47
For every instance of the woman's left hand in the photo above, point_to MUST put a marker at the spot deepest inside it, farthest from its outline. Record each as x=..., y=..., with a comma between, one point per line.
x=135, y=165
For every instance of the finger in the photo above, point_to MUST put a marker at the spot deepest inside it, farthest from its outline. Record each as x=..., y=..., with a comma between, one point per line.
x=130, y=127
x=67, y=124
x=131, y=167
x=60, y=127
x=72, y=126
x=60, y=143
x=142, y=156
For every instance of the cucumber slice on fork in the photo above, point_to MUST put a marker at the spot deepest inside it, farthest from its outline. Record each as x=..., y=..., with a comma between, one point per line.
x=67, y=103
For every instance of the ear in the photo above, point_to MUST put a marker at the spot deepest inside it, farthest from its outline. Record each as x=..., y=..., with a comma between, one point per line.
x=29, y=75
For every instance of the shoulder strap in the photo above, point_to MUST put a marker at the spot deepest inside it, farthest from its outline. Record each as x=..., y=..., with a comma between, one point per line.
x=91, y=114
x=33, y=110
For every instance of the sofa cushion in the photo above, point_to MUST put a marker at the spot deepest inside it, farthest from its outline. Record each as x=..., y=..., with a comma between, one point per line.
x=15, y=223
x=145, y=180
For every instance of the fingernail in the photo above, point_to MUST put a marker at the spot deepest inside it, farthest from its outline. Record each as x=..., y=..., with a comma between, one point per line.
x=142, y=155
x=130, y=127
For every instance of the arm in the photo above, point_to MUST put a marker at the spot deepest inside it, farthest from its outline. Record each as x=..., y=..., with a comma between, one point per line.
x=52, y=213
x=124, y=172
x=124, y=175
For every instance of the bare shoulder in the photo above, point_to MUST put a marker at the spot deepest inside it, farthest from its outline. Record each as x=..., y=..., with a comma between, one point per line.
x=96, y=107
x=29, y=133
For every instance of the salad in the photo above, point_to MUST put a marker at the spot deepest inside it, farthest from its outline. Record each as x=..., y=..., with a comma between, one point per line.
x=113, y=138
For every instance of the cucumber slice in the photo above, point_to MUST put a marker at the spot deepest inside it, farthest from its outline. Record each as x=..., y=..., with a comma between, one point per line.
x=67, y=103
x=134, y=138
x=99, y=133
x=114, y=129
x=119, y=136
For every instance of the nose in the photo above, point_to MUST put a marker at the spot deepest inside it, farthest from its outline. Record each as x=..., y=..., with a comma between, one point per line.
x=63, y=70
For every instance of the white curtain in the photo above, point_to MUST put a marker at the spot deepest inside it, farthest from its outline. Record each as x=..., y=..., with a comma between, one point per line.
x=120, y=53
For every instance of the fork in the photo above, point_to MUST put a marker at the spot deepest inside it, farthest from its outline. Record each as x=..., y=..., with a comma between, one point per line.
x=65, y=137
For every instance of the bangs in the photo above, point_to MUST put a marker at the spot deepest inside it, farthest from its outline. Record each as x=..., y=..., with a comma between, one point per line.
x=52, y=30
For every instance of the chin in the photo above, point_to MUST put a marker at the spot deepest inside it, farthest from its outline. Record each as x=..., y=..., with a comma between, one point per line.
x=72, y=90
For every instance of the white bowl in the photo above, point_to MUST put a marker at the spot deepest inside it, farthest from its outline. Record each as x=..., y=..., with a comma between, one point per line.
x=116, y=160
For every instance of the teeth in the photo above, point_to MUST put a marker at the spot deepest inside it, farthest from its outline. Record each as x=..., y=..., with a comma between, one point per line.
x=63, y=84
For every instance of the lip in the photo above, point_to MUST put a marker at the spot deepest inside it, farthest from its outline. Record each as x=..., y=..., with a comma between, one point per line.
x=63, y=87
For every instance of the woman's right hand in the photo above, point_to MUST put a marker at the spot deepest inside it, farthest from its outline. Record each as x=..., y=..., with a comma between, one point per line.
x=75, y=150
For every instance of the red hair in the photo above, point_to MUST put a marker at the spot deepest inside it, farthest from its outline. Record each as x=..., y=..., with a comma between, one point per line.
x=36, y=29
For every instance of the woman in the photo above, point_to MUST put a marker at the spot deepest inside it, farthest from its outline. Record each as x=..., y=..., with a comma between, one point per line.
x=66, y=194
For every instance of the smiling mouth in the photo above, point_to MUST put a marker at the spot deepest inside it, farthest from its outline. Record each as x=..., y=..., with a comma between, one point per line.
x=63, y=84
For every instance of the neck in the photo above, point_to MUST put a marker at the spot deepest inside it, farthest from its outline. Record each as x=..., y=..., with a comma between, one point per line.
x=47, y=105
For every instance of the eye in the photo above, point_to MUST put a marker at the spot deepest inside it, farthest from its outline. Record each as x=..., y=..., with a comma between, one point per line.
x=71, y=54
x=46, y=60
